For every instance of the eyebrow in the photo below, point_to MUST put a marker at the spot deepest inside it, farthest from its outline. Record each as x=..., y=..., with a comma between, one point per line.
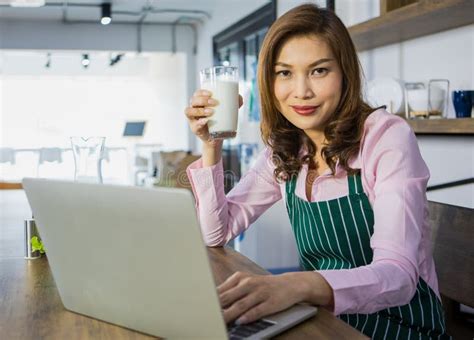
x=316, y=63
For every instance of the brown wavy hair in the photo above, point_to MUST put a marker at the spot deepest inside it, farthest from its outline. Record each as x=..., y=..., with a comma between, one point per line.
x=343, y=131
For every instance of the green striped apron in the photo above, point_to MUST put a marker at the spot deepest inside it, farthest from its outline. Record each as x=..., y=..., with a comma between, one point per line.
x=335, y=234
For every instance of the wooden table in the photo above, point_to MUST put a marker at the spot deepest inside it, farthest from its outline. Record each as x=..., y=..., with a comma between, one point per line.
x=30, y=307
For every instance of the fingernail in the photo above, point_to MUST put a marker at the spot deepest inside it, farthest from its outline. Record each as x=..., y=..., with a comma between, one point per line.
x=208, y=110
x=212, y=101
x=205, y=93
x=203, y=121
x=241, y=320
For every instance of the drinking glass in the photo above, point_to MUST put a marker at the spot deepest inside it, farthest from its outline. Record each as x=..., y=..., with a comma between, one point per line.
x=223, y=82
x=463, y=102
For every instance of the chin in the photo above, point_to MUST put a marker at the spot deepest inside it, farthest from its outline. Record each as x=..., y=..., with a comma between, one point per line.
x=307, y=123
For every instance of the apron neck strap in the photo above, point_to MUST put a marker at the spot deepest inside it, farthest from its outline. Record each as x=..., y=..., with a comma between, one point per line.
x=355, y=184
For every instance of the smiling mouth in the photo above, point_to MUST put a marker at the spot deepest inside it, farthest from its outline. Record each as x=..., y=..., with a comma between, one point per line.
x=305, y=110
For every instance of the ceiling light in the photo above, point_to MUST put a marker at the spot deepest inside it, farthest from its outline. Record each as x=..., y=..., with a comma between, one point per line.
x=116, y=59
x=27, y=3
x=106, y=16
x=48, y=61
x=85, y=60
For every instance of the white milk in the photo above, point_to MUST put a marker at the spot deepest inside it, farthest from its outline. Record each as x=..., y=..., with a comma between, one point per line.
x=226, y=92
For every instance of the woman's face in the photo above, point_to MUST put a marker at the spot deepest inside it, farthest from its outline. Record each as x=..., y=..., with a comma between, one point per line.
x=308, y=83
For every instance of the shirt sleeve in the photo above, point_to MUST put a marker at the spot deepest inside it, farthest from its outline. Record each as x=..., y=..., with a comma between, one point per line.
x=224, y=217
x=392, y=164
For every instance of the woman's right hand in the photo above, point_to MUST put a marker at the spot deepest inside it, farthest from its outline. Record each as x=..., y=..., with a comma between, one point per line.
x=198, y=113
x=201, y=108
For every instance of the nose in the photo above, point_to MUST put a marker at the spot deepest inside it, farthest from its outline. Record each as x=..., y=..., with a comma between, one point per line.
x=303, y=88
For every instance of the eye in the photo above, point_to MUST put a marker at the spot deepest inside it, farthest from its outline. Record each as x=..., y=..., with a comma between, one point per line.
x=283, y=73
x=319, y=71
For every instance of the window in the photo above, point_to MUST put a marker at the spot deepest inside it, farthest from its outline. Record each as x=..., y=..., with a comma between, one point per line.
x=239, y=45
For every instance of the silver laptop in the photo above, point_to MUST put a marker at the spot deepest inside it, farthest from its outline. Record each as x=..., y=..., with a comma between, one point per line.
x=135, y=257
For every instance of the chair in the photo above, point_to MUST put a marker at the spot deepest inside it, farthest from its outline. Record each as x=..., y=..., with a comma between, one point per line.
x=453, y=252
x=48, y=155
x=7, y=155
x=171, y=168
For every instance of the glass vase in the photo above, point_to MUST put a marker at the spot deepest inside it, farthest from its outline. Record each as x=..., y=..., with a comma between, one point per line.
x=87, y=153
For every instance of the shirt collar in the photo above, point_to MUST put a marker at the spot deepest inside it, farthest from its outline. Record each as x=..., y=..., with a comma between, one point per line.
x=354, y=163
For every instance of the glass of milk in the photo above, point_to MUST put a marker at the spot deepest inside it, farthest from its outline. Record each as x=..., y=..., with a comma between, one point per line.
x=223, y=82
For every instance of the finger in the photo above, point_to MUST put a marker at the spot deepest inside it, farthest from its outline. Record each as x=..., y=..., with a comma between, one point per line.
x=202, y=92
x=240, y=307
x=231, y=281
x=202, y=122
x=198, y=112
x=255, y=313
x=235, y=293
x=198, y=101
x=202, y=101
x=199, y=126
x=241, y=101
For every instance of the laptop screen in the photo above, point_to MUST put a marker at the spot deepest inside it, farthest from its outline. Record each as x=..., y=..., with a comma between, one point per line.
x=134, y=129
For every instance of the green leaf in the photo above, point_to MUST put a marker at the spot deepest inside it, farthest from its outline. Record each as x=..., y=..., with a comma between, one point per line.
x=37, y=245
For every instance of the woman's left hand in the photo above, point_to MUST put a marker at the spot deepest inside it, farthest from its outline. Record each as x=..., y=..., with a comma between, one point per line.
x=249, y=297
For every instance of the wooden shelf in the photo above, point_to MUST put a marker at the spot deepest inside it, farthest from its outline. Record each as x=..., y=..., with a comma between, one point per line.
x=458, y=126
x=411, y=21
x=10, y=186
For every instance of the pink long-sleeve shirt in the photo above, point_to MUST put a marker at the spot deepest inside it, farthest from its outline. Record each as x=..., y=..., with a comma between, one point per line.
x=394, y=177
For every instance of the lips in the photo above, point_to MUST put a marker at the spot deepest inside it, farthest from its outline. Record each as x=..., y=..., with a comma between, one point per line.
x=305, y=110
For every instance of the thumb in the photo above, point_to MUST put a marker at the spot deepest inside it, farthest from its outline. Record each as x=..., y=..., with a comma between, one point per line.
x=241, y=101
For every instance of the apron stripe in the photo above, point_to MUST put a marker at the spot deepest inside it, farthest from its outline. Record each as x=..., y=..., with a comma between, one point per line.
x=352, y=234
x=319, y=241
x=353, y=250
x=326, y=234
x=416, y=308
x=358, y=180
x=398, y=332
x=334, y=229
x=314, y=242
x=366, y=230
x=357, y=320
x=421, y=309
x=369, y=329
x=387, y=328
x=306, y=241
x=357, y=231
x=369, y=230
x=375, y=327
x=300, y=206
x=292, y=218
x=366, y=317
x=430, y=300
x=307, y=262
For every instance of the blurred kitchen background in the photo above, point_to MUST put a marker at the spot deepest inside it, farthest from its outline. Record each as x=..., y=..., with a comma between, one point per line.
x=65, y=70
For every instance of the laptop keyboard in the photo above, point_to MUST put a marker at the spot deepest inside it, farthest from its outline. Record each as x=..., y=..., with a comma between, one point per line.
x=244, y=331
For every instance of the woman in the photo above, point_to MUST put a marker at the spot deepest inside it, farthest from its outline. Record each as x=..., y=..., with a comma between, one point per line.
x=353, y=181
